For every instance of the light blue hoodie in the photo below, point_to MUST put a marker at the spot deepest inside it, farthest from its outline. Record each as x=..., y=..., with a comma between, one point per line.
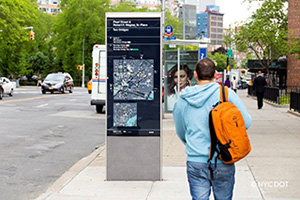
x=191, y=112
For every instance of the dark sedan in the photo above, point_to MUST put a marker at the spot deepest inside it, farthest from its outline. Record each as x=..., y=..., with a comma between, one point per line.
x=242, y=85
x=59, y=82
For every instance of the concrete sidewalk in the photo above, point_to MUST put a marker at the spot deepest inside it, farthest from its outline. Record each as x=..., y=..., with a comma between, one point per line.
x=271, y=171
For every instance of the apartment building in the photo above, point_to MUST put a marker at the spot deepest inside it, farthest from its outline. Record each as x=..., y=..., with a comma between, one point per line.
x=210, y=24
x=200, y=4
x=49, y=6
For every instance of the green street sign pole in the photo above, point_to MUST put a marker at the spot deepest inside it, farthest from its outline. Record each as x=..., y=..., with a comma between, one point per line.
x=229, y=54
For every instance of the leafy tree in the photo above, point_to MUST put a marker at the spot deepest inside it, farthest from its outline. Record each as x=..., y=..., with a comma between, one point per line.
x=14, y=39
x=175, y=22
x=265, y=32
x=221, y=61
x=83, y=20
x=16, y=48
x=245, y=61
x=80, y=21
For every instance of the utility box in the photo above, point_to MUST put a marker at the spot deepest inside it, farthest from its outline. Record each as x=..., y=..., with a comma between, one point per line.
x=133, y=101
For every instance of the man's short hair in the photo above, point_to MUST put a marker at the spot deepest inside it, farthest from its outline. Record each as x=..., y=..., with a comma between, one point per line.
x=205, y=69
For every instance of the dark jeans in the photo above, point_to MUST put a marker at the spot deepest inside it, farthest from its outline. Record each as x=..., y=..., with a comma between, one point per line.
x=260, y=97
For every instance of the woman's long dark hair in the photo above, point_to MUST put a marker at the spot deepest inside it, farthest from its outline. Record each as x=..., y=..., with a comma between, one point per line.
x=171, y=73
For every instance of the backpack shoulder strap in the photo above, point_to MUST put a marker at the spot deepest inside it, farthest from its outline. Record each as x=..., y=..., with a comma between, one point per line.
x=223, y=93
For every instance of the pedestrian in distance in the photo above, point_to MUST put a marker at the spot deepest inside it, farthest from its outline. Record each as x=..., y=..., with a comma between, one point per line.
x=191, y=119
x=227, y=82
x=39, y=82
x=234, y=83
x=259, y=84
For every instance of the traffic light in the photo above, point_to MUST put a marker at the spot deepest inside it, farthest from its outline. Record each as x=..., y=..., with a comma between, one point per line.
x=228, y=68
x=31, y=35
x=79, y=67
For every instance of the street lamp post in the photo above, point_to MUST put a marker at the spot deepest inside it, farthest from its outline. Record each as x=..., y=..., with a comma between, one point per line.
x=83, y=67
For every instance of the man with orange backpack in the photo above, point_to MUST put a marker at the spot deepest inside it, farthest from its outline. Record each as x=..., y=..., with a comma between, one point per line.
x=191, y=118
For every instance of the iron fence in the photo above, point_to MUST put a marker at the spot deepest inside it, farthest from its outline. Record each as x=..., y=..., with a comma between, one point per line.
x=295, y=100
x=273, y=94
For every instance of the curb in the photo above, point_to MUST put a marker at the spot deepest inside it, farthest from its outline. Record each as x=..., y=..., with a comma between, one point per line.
x=294, y=113
x=69, y=175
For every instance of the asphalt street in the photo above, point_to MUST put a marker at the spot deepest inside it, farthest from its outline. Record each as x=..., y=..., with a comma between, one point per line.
x=42, y=136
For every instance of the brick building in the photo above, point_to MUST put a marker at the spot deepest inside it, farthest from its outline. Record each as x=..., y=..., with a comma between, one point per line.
x=293, y=71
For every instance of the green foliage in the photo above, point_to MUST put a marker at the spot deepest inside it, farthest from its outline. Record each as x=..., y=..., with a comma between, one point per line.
x=265, y=32
x=80, y=20
x=295, y=46
x=14, y=39
x=221, y=61
x=284, y=99
x=244, y=64
x=175, y=22
x=16, y=48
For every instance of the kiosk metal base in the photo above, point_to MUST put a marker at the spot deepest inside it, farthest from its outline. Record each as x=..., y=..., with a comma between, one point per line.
x=133, y=158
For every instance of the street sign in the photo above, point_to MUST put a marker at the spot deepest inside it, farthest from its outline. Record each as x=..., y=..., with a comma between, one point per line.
x=203, y=53
x=229, y=53
x=169, y=30
x=170, y=38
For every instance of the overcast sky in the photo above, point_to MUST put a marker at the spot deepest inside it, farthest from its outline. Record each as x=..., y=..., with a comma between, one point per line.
x=235, y=10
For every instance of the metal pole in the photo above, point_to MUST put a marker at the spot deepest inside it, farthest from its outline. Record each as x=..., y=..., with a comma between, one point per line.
x=162, y=49
x=83, y=67
x=183, y=18
x=178, y=71
x=230, y=75
x=163, y=16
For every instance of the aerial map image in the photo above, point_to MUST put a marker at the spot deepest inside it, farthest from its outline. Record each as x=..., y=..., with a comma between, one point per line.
x=133, y=79
x=125, y=114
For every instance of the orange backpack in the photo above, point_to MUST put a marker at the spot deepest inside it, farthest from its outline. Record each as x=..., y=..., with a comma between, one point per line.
x=227, y=131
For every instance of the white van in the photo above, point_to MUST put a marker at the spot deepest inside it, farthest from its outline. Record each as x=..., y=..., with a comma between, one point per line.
x=99, y=77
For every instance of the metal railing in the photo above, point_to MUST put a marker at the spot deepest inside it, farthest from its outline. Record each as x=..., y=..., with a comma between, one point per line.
x=295, y=100
x=273, y=94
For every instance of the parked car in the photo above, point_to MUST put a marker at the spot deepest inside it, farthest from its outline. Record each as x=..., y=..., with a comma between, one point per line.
x=59, y=82
x=89, y=86
x=248, y=81
x=1, y=92
x=6, y=87
x=242, y=85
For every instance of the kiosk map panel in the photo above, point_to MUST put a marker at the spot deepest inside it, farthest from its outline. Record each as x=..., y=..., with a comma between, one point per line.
x=133, y=74
x=133, y=79
x=125, y=114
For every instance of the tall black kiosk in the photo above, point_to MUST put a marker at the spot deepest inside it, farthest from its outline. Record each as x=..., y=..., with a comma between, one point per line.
x=133, y=111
